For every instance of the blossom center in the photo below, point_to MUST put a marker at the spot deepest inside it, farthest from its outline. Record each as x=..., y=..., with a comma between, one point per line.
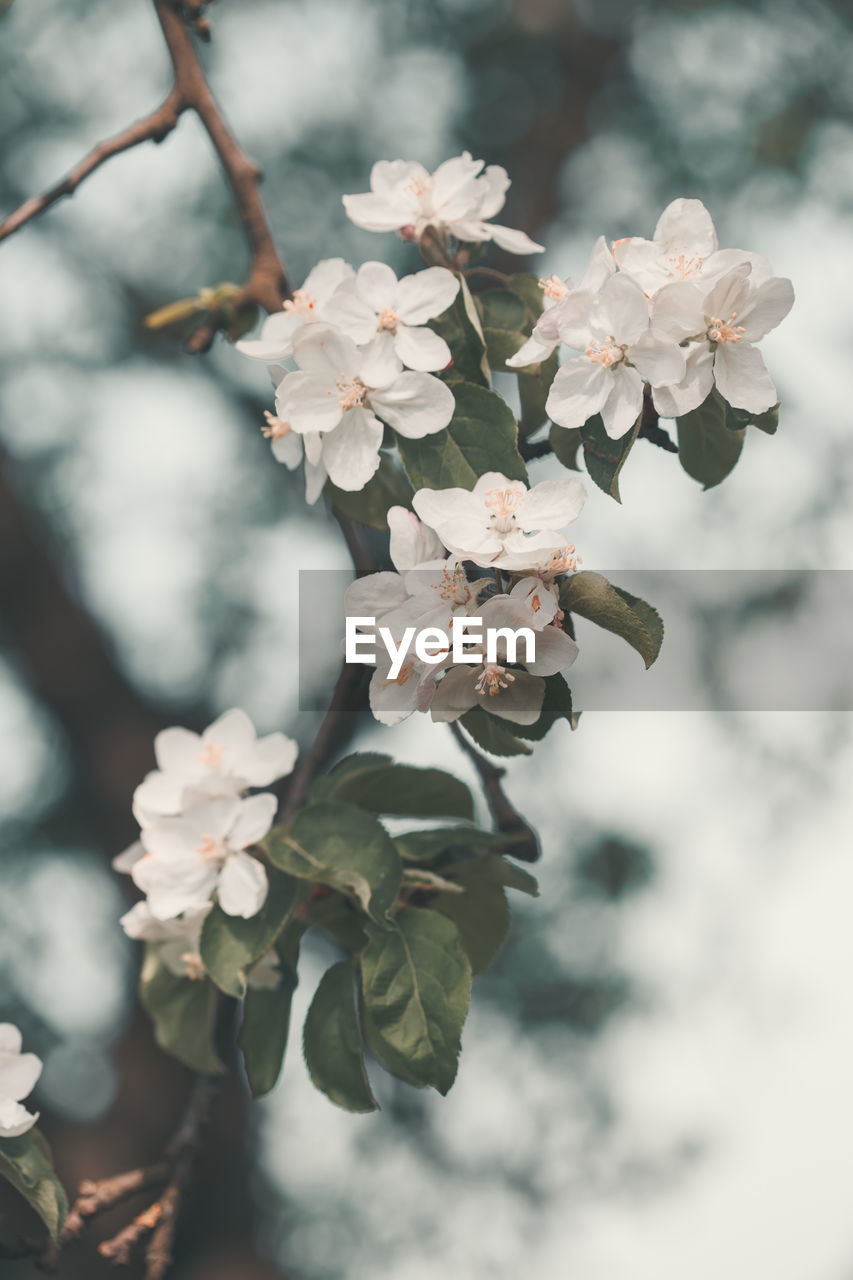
x=419, y=186
x=564, y=561
x=453, y=585
x=275, y=429
x=388, y=319
x=503, y=504
x=724, y=330
x=351, y=395
x=605, y=353
x=193, y=967
x=211, y=755
x=492, y=679
x=554, y=287
x=211, y=849
x=684, y=264
x=302, y=302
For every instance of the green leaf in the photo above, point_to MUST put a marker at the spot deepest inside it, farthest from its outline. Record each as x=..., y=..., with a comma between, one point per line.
x=378, y=785
x=266, y=1016
x=184, y=1014
x=591, y=596
x=707, y=448
x=416, y=985
x=230, y=945
x=738, y=419
x=528, y=288
x=331, y=1041
x=343, y=847
x=25, y=1163
x=505, y=323
x=556, y=705
x=493, y=734
x=565, y=441
x=460, y=327
x=370, y=505
x=534, y=384
x=426, y=846
x=481, y=913
x=482, y=436
x=338, y=917
x=604, y=457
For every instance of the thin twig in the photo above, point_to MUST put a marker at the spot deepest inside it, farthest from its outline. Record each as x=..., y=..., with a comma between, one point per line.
x=537, y=450
x=266, y=284
x=151, y=128
x=330, y=733
x=506, y=817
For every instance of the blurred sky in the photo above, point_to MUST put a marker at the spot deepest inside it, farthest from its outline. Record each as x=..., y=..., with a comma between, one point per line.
x=655, y=1083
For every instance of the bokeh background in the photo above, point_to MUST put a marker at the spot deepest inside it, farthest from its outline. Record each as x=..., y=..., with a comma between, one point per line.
x=656, y=1074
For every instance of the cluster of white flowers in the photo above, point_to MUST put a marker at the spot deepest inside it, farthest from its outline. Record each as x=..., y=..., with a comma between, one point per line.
x=501, y=525
x=197, y=826
x=18, y=1075
x=350, y=351
x=675, y=311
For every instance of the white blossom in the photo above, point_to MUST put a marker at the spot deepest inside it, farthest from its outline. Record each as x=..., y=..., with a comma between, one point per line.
x=514, y=695
x=684, y=247
x=565, y=303
x=457, y=199
x=306, y=307
x=501, y=523
x=203, y=851
x=619, y=351
x=334, y=398
x=18, y=1075
x=227, y=758
x=720, y=327
x=375, y=303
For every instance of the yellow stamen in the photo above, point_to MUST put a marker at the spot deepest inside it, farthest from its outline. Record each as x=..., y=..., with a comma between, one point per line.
x=275, y=428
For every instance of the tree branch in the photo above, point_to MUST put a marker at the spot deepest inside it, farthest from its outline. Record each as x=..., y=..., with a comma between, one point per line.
x=151, y=128
x=506, y=817
x=266, y=283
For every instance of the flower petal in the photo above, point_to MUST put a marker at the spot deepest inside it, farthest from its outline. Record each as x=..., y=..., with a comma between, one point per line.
x=375, y=595
x=243, y=885
x=350, y=312
x=411, y=542
x=324, y=349
x=531, y=352
x=18, y=1074
x=15, y=1119
x=456, y=694
x=415, y=404
x=379, y=363
x=551, y=504
x=377, y=285
x=620, y=312
x=421, y=349
x=307, y=402
x=425, y=295
x=555, y=651
x=686, y=225
x=693, y=389
x=11, y=1039
x=513, y=241
x=273, y=757
x=578, y=391
x=658, y=359
x=351, y=452
x=622, y=407
x=742, y=378
x=253, y=820
x=767, y=306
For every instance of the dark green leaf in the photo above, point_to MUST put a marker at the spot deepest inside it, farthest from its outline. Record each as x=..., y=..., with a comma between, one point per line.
x=25, y=1163
x=377, y=784
x=184, y=1014
x=426, y=846
x=416, y=985
x=343, y=847
x=482, y=436
x=565, y=441
x=534, y=383
x=493, y=734
x=707, y=448
x=266, y=1016
x=460, y=327
x=481, y=913
x=338, y=917
x=331, y=1041
x=738, y=419
x=370, y=505
x=230, y=945
x=591, y=596
x=528, y=288
x=505, y=324
x=604, y=457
